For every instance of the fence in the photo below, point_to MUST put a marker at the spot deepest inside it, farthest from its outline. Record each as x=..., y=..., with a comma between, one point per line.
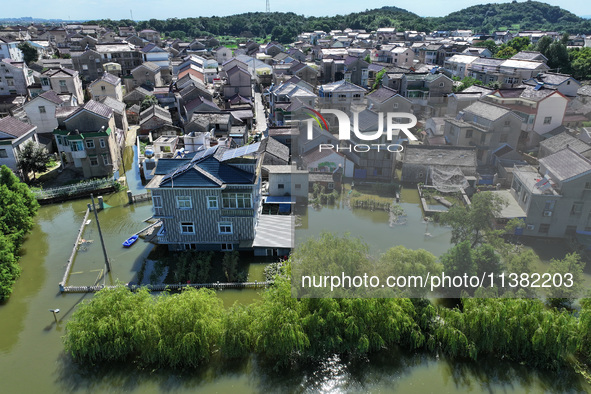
x=76, y=190
x=74, y=250
x=218, y=286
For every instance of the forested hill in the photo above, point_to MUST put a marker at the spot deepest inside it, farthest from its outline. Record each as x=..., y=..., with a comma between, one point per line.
x=530, y=15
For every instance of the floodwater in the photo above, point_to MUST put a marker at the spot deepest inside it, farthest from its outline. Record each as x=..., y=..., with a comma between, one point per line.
x=31, y=350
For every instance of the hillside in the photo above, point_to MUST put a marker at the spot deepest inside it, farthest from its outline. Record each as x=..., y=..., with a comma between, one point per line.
x=486, y=18
x=529, y=15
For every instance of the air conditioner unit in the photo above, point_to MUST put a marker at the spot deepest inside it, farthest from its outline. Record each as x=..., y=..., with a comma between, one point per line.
x=547, y=213
x=531, y=227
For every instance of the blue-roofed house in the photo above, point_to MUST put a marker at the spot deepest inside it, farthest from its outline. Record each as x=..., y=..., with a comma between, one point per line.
x=211, y=200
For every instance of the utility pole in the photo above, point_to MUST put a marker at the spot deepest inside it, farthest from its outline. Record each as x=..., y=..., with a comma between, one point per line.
x=100, y=235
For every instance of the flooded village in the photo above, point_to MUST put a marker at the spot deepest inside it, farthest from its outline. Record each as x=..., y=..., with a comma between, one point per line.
x=168, y=164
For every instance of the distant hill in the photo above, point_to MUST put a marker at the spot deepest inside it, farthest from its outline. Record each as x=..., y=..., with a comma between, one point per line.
x=529, y=15
x=284, y=27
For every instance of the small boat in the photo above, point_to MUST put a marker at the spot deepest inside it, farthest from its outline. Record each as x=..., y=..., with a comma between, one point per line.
x=130, y=241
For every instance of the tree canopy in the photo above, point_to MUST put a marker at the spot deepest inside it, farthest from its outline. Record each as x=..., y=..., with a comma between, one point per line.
x=18, y=206
x=30, y=54
x=33, y=158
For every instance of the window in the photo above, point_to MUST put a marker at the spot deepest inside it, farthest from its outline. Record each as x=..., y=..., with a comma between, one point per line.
x=157, y=201
x=3, y=154
x=469, y=133
x=90, y=144
x=102, y=142
x=544, y=228
x=103, y=88
x=187, y=228
x=190, y=246
x=441, y=84
x=58, y=139
x=84, y=67
x=577, y=208
x=357, y=96
x=237, y=200
x=77, y=146
x=483, y=138
x=298, y=186
x=227, y=247
x=183, y=202
x=281, y=186
x=330, y=186
x=93, y=161
x=62, y=83
x=547, y=120
x=42, y=109
x=507, y=123
x=212, y=202
x=587, y=185
x=342, y=97
x=395, y=105
x=225, y=228
x=106, y=159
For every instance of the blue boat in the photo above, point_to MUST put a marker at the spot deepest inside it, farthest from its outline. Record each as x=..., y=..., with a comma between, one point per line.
x=130, y=241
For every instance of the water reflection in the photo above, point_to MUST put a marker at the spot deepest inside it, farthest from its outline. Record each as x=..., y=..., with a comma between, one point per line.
x=385, y=371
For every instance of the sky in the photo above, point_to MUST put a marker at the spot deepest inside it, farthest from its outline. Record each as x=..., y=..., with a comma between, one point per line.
x=163, y=9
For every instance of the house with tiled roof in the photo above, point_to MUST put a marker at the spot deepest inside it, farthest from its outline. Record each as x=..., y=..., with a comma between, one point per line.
x=119, y=112
x=16, y=77
x=385, y=99
x=542, y=109
x=9, y=49
x=211, y=201
x=238, y=81
x=327, y=160
x=153, y=118
x=41, y=111
x=108, y=85
x=14, y=134
x=63, y=80
x=136, y=96
x=147, y=75
x=485, y=126
x=89, y=140
x=555, y=197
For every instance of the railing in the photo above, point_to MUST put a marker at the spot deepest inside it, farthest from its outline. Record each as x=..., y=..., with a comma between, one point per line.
x=76, y=189
x=238, y=212
x=163, y=287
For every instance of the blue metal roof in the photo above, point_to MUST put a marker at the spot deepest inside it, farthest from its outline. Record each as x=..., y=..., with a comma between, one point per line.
x=279, y=200
x=208, y=172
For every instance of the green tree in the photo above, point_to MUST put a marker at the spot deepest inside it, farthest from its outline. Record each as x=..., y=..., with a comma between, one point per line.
x=474, y=222
x=18, y=206
x=562, y=295
x=148, y=101
x=368, y=58
x=30, y=54
x=379, y=77
x=33, y=157
x=230, y=265
x=466, y=83
x=490, y=45
x=506, y=52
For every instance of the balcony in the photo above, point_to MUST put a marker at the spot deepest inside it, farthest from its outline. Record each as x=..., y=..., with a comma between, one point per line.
x=80, y=154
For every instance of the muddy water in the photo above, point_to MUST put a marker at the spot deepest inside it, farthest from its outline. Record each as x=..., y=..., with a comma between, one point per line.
x=31, y=352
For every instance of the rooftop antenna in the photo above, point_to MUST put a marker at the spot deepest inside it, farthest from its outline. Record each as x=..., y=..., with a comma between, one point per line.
x=268, y=6
x=131, y=13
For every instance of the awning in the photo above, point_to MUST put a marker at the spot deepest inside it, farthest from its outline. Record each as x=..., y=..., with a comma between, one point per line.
x=279, y=200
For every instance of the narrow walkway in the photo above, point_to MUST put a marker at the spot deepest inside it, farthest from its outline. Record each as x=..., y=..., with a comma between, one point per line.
x=259, y=109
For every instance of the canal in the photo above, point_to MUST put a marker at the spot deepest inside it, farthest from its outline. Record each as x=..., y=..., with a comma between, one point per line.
x=31, y=351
